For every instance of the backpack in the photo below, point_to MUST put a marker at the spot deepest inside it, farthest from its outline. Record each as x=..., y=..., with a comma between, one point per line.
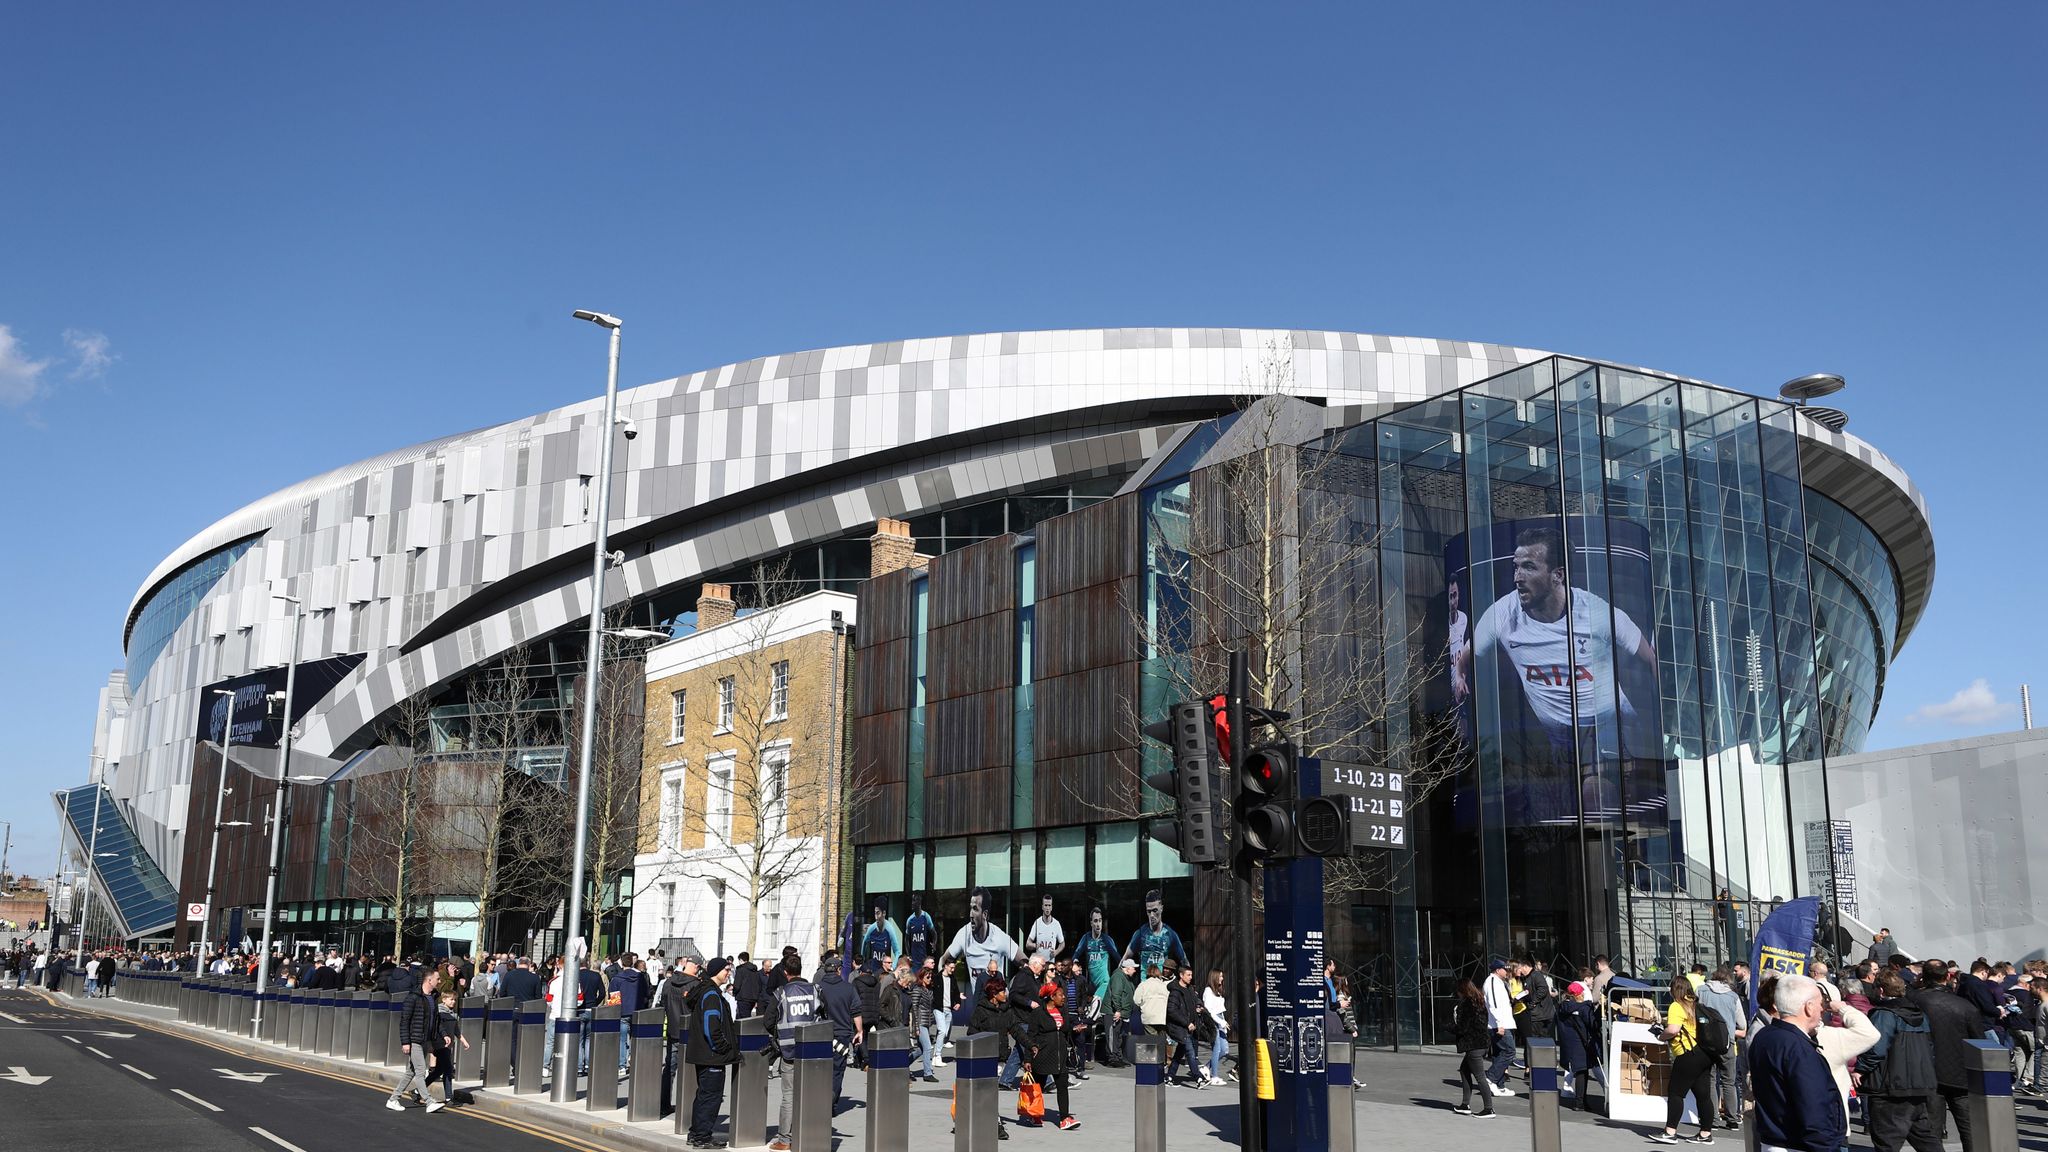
x=1713, y=1031
x=1908, y=1065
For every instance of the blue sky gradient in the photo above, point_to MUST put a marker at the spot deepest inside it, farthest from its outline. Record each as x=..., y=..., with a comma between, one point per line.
x=245, y=244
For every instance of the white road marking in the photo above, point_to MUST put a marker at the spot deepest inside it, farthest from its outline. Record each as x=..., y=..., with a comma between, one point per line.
x=97, y=1052
x=12, y=1019
x=196, y=1100
x=246, y=1077
x=138, y=1071
x=74, y=1039
x=20, y=1075
x=280, y=1141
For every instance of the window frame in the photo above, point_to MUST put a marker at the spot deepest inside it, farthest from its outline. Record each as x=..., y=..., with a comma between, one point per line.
x=778, y=690
x=679, y=715
x=728, y=702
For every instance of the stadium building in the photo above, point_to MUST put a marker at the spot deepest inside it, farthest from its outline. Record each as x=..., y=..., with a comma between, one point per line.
x=421, y=569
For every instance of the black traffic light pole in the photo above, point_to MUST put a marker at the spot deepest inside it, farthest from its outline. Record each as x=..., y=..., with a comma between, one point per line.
x=1246, y=944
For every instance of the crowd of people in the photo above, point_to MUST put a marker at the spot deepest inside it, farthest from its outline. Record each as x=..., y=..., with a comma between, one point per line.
x=1889, y=1039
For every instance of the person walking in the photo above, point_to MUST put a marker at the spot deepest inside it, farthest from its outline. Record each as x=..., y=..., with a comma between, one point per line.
x=1119, y=1006
x=1797, y=1108
x=839, y=1003
x=747, y=992
x=415, y=1041
x=1500, y=1016
x=1474, y=1038
x=1953, y=1022
x=447, y=1034
x=993, y=1013
x=713, y=1046
x=1183, y=1009
x=1048, y=1033
x=793, y=1005
x=923, y=1023
x=1214, y=1005
x=1148, y=1000
x=1718, y=993
x=1898, y=1080
x=1578, y=1039
x=1690, y=1066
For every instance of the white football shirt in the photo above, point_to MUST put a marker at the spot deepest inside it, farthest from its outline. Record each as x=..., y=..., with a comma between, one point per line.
x=1552, y=661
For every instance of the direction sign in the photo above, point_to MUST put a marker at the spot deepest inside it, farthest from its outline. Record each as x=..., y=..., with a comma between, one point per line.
x=1378, y=799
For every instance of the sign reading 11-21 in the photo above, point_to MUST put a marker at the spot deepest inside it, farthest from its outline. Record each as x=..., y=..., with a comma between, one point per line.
x=1378, y=799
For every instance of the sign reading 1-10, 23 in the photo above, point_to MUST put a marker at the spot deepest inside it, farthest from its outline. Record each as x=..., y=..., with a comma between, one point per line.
x=1379, y=803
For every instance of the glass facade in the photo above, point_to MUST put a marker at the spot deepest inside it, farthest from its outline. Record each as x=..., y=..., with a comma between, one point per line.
x=171, y=603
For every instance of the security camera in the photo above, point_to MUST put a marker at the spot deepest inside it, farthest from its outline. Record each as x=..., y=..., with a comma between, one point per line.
x=618, y=559
x=629, y=428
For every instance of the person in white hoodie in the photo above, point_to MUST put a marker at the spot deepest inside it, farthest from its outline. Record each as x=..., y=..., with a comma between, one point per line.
x=1840, y=1044
x=1500, y=1016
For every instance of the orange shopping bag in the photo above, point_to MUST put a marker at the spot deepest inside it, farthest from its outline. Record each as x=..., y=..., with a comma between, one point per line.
x=1030, y=1100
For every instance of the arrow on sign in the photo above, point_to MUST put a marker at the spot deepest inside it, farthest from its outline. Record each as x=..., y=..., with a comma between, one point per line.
x=20, y=1075
x=246, y=1077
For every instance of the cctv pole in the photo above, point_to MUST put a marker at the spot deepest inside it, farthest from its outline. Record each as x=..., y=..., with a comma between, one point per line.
x=92, y=859
x=565, y=996
x=284, y=791
x=220, y=795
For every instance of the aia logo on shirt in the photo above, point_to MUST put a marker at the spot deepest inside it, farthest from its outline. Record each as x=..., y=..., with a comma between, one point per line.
x=1556, y=675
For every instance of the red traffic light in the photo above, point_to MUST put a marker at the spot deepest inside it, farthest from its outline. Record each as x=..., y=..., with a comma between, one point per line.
x=1267, y=771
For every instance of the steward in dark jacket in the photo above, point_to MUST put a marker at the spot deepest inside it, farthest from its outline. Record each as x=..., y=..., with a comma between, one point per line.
x=1797, y=1105
x=714, y=1036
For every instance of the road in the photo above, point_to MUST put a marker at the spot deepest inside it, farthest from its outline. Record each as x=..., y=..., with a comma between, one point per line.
x=116, y=1085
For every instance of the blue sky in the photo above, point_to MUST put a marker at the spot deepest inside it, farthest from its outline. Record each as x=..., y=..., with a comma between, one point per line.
x=244, y=244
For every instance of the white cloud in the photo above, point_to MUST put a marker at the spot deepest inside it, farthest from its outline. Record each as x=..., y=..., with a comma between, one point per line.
x=93, y=351
x=1972, y=707
x=21, y=379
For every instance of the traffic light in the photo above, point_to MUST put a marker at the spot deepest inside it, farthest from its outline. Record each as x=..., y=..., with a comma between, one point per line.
x=1190, y=738
x=1275, y=821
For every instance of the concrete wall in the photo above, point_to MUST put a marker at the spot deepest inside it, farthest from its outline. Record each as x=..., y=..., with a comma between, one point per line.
x=1951, y=843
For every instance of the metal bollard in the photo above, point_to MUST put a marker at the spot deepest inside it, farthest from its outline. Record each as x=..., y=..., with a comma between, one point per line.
x=359, y=1026
x=811, y=1115
x=394, y=1042
x=643, y=1084
x=1343, y=1098
x=530, y=1050
x=184, y=998
x=245, y=1008
x=603, y=1094
x=1544, y=1135
x=1993, y=1127
x=323, y=1021
x=272, y=1002
x=297, y=1019
x=377, y=1030
x=223, y=1004
x=500, y=1018
x=749, y=1088
x=469, y=1061
x=1148, y=1063
x=337, y=1041
x=888, y=1110
x=685, y=1088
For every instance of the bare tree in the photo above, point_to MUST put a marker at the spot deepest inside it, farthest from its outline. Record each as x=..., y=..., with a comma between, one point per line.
x=615, y=779
x=1275, y=550
x=392, y=850
x=482, y=801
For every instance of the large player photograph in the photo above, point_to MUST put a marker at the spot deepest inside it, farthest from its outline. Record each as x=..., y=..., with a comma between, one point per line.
x=1553, y=666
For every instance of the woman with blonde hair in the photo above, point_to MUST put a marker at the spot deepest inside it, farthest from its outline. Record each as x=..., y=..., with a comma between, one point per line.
x=1691, y=1066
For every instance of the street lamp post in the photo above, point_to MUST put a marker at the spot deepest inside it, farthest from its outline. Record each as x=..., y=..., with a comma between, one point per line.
x=564, y=1090
x=284, y=788
x=220, y=795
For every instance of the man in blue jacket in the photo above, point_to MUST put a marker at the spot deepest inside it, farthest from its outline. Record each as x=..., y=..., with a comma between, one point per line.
x=1797, y=1106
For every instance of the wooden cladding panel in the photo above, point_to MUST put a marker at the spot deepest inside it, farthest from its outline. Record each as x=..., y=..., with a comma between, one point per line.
x=879, y=743
x=974, y=581
x=877, y=815
x=885, y=607
x=1086, y=789
x=968, y=733
x=881, y=678
x=1090, y=627
x=966, y=803
x=1086, y=712
x=976, y=655
x=1093, y=545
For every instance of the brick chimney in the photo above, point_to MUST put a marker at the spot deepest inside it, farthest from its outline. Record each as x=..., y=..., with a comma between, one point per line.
x=890, y=549
x=714, y=606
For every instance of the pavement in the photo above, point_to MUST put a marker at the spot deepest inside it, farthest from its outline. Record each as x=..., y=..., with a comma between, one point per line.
x=127, y=1075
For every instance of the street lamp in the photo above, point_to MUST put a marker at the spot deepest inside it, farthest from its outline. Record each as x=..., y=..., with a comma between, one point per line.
x=284, y=789
x=565, y=997
x=220, y=795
